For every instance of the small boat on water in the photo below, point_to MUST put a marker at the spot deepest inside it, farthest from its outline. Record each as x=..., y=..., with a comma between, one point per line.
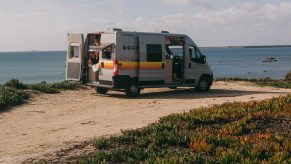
x=270, y=59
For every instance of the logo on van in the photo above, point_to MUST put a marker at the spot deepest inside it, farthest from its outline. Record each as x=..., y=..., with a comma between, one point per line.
x=130, y=47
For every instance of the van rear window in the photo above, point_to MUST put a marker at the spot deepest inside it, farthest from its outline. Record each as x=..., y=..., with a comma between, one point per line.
x=74, y=52
x=154, y=53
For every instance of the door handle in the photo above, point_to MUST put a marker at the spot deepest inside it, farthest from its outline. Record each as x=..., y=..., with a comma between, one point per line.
x=189, y=65
x=163, y=65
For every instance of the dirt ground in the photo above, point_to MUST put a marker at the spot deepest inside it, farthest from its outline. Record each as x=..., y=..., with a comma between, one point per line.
x=47, y=123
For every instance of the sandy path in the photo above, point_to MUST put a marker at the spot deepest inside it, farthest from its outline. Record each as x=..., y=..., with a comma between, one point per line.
x=48, y=122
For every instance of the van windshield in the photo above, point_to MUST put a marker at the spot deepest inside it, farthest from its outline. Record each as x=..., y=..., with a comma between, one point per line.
x=176, y=50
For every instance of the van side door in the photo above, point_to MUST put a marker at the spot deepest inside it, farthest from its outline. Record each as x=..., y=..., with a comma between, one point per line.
x=194, y=64
x=74, y=58
x=151, y=69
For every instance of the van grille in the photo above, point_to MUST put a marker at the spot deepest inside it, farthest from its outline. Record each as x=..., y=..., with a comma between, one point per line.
x=73, y=71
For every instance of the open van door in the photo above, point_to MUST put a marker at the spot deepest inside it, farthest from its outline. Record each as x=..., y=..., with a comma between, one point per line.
x=74, y=57
x=151, y=60
x=106, y=65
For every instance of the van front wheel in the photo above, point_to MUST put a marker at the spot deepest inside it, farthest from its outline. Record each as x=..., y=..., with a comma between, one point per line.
x=102, y=91
x=132, y=90
x=203, y=84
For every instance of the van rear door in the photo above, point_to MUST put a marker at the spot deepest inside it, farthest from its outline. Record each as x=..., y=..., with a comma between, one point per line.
x=106, y=65
x=151, y=59
x=74, y=57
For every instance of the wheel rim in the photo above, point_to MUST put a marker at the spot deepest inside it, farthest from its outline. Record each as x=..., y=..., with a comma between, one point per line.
x=133, y=88
x=203, y=85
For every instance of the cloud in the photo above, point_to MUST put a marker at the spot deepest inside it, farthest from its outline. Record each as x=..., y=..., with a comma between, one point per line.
x=45, y=28
x=243, y=24
x=185, y=2
x=246, y=24
x=119, y=7
x=61, y=10
x=100, y=20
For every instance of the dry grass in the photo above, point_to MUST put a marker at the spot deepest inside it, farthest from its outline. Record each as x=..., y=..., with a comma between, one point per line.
x=254, y=132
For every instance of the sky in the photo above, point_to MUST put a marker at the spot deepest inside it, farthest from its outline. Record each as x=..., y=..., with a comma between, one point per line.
x=43, y=25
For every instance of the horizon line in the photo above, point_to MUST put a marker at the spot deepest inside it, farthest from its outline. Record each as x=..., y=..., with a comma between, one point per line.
x=254, y=46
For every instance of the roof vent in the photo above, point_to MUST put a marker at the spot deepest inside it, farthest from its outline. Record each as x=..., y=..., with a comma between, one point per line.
x=165, y=32
x=114, y=29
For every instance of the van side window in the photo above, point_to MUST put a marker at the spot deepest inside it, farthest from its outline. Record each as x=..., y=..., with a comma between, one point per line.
x=107, y=52
x=195, y=54
x=154, y=53
x=74, y=52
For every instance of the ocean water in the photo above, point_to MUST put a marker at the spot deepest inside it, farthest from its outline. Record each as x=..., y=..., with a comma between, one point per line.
x=34, y=67
x=248, y=62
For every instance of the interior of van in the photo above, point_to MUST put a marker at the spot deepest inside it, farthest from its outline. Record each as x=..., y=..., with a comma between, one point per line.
x=175, y=52
x=92, y=56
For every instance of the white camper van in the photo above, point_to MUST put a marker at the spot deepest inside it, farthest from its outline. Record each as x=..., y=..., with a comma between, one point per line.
x=131, y=61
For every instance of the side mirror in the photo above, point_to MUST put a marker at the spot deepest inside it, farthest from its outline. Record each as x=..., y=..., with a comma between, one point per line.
x=170, y=57
x=203, y=59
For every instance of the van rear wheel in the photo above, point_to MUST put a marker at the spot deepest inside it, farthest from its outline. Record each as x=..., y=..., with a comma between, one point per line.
x=203, y=84
x=132, y=90
x=101, y=90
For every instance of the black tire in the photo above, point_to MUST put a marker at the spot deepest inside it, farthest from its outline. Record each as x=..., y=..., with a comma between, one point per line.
x=204, y=84
x=132, y=90
x=102, y=91
x=173, y=87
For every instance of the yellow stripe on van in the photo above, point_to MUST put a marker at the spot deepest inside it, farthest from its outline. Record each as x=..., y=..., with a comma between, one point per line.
x=151, y=65
x=128, y=65
x=107, y=65
x=133, y=65
x=142, y=65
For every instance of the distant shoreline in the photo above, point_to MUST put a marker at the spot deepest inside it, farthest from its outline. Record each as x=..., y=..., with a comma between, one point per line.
x=34, y=51
x=203, y=47
x=264, y=46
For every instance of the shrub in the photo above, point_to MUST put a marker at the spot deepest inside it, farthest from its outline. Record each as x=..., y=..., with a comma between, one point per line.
x=45, y=88
x=53, y=87
x=102, y=143
x=65, y=85
x=11, y=96
x=14, y=83
x=12, y=92
x=267, y=79
x=288, y=76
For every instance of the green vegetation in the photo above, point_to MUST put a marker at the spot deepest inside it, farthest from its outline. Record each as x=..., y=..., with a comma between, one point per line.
x=14, y=92
x=53, y=87
x=261, y=81
x=254, y=132
x=14, y=83
x=11, y=96
x=243, y=79
x=278, y=84
x=42, y=87
x=288, y=76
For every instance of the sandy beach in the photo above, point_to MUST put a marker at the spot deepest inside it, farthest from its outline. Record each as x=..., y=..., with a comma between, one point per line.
x=47, y=123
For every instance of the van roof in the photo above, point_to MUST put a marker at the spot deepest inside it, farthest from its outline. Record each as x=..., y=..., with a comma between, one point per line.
x=165, y=33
